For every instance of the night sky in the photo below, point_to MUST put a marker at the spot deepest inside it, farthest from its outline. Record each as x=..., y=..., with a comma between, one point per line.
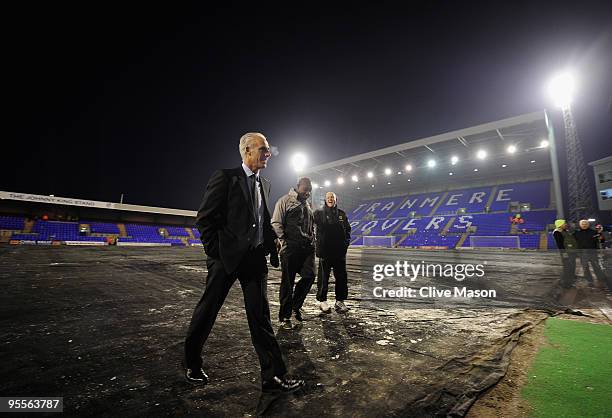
x=150, y=100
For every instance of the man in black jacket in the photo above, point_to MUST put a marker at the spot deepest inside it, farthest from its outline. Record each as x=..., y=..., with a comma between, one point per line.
x=587, y=241
x=333, y=235
x=234, y=223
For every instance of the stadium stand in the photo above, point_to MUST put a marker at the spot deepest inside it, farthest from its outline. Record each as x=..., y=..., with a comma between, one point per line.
x=12, y=223
x=49, y=231
x=449, y=219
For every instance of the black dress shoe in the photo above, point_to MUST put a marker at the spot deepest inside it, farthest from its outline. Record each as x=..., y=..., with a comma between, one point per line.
x=196, y=376
x=282, y=385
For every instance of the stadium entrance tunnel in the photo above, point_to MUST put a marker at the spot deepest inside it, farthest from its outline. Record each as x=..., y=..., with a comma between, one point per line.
x=104, y=328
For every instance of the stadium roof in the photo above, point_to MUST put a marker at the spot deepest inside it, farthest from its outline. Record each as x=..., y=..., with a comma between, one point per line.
x=390, y=174
x=67, y=201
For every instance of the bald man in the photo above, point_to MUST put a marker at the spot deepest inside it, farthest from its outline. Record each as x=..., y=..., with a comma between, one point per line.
x=333, y=235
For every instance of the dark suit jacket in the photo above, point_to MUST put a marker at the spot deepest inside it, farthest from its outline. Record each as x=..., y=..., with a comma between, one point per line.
x=226, y=220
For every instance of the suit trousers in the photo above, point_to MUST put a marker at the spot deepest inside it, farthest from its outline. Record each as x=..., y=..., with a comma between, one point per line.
x=252, y=274
x=326, y=265
x=295, y=260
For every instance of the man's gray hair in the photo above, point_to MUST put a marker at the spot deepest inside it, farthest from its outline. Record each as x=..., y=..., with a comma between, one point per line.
x=246, y=140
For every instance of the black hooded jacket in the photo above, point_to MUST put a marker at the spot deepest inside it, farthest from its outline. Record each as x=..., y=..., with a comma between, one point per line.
x=332, y=231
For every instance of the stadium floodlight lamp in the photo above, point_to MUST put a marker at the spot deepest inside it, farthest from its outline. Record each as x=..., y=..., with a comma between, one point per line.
x=298, y=161
x=475, y=169
x=315, y=185
x=327, y=183
x=355, y=178
x=358, y=188
x=454, y=160
x=543, y=143
x=399, y=172
x=450, y=174
x=504, y=165
x=431, y=163
x=340, y=180
x=481, y=154
x=591, y=219
x=388, y=182
x=370, y=174
x=387, y=171
x=561, y=89
x=511, y=149
x=372, y=185
x=408, y=167
x=409, y=180
x=532, y=161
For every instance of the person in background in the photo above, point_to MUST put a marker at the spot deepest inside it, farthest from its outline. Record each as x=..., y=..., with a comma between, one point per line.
x=333, y=235
x=566, y=243
x=588, y=242
x=601, y=236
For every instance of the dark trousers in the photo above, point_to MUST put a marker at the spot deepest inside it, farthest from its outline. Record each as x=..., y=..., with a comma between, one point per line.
x=568, y=276
x=294, y=261
x=253, y=275
x=326, y=265
x=591, y=257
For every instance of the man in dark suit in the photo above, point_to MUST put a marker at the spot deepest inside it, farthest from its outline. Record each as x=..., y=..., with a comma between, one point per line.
x=234, y=223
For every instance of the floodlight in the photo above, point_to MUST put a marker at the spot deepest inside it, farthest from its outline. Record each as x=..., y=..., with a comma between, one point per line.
x=387, y=171
x=511, y=149
x=454, y=160
x=298, y=161
x=431, y=163
x=408, y=167
x=315, y=185
x=340, y=180
x=370, y=174
x=543, y=143
x=327, y=183
x=561, y=89
x=355, y=178
x=481, y=154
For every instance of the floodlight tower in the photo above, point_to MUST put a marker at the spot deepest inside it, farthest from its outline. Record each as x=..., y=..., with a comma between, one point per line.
x=580, y=200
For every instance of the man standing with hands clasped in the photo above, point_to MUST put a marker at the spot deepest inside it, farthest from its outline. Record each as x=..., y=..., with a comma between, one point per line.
x=333, y=233
x=234, y=223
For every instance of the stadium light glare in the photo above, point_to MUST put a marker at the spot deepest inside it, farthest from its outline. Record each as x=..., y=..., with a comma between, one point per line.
x=358, y=188
x=399, y=172
x=591, y=219
x=543, y=143
x=298, y=161
x=454, y=160
x=511, y=149
x=372, y=185
x=504, y=165
x=387, y=171
x=388, y=182
x=327, y=183
x=532, y=161
x=355, y=178
x=315, y=185
x=409, y=180
x=450, y=174
x=431, y=163
x=340, y=180
x=475, y=169
x=408, y=167
x=481, y=154
x=370, y=174
x=561, y=89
